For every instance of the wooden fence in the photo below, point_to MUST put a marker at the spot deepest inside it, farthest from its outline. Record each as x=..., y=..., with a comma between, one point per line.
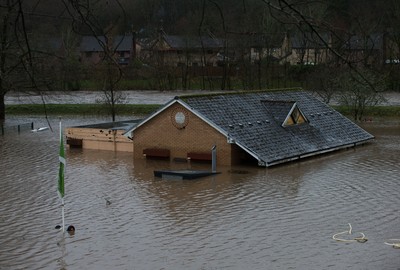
x=16, y=128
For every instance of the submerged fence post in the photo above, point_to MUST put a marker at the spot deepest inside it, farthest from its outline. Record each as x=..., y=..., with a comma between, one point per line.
x=19, y=128
x=214, y=158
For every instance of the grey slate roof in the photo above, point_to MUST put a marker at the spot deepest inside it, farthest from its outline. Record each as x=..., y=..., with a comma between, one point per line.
x=309, y=41
x=256, y=40
x=370, y=42
x=93, y=44
x=279, y=109
x=181, y=42
x=250, y=122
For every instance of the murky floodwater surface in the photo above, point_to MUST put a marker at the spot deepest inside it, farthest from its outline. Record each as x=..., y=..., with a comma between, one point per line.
x=243, y=218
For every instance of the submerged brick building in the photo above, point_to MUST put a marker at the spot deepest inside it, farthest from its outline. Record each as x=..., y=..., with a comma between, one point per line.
x=260, y=127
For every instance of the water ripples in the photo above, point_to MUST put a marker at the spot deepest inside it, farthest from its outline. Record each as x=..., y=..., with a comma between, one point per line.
x=278, y=218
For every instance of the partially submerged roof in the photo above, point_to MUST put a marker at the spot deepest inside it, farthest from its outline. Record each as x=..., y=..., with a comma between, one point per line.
x=273, y=126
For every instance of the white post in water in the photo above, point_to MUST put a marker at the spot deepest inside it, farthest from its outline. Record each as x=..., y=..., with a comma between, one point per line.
x=62, y=214
x=214, y=159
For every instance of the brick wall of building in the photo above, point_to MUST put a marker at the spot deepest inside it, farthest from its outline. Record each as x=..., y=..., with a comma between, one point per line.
x=197, y=136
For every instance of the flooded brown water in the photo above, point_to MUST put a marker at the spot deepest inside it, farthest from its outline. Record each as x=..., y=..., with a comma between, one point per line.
x=243, y=218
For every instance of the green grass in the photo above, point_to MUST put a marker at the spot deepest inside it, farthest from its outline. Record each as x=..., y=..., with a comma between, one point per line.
x=80, y=109
x=372, y=111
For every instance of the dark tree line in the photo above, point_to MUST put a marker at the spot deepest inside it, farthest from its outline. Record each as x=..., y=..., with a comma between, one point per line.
x=26, y=65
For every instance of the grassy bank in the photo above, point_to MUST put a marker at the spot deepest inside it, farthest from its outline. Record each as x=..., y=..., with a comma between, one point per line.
x=372, y=111
x=80, y=109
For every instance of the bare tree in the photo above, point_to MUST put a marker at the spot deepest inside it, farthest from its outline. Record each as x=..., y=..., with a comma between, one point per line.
x=21, y=65
x=15, y=54
x=323, y=82
x=71, y=68
x=355, y=93
x=85, y=18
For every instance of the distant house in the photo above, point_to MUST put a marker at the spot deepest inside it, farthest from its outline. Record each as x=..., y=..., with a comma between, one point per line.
x=254, y=47
x=265, y=128
x=364, y=49
x=124, y=48
x=312, y=49
x=306, y=49
x=190, y=51
x=169, y=50
x=391, y=54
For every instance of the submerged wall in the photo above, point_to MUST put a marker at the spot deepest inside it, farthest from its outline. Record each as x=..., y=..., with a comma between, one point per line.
x=98, y=139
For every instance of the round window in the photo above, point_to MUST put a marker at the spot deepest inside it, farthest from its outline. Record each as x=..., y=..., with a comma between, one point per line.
x=180, y=118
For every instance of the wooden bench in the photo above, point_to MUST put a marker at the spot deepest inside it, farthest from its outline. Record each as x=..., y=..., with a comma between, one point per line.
x=197, y=156
x=156, y=153
x=74, y=143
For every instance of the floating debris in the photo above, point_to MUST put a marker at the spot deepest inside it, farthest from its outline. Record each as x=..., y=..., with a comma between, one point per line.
x=40, y=129
x=108, y=202
x=395, y=243
x=361, y=239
